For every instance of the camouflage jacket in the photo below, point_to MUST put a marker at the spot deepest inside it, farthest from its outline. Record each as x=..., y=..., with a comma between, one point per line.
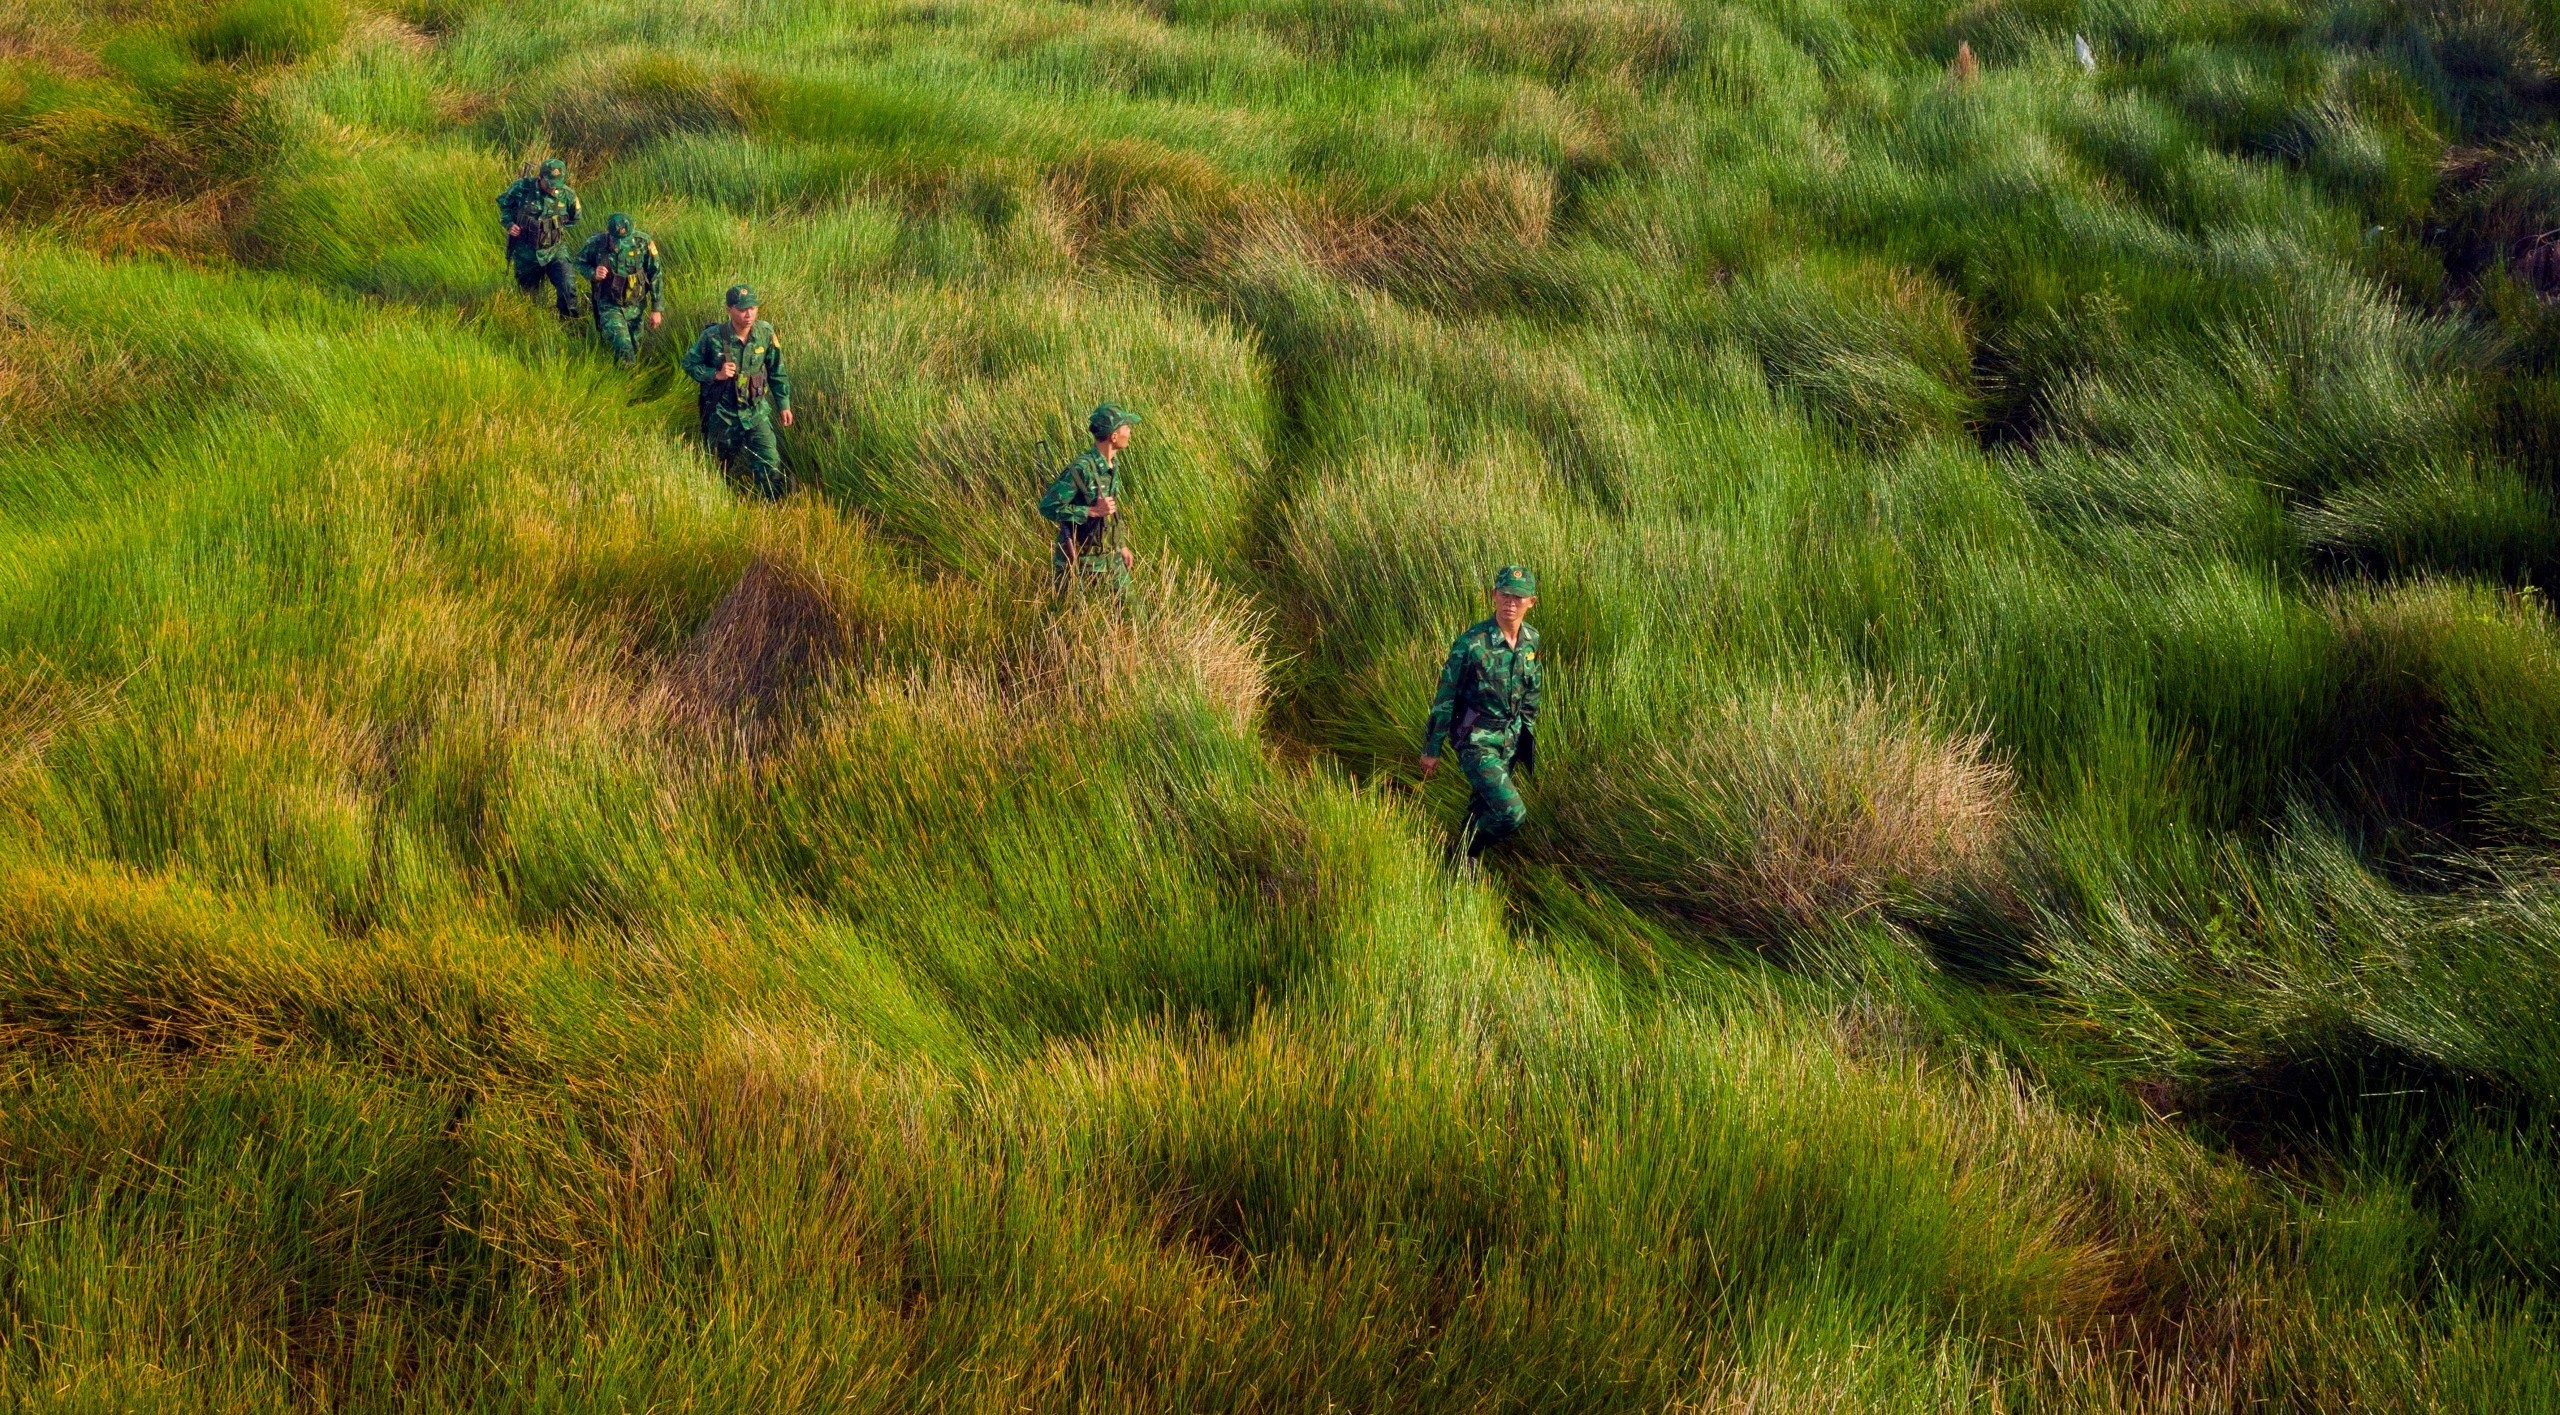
x=1085, y=479
x=542, y=218
x=631, y=266
x=758, y=357
x=1488, y=690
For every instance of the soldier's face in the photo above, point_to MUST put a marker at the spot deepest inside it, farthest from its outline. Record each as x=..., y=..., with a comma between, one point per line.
x=745, y=319
x=1118, y=439
x=1510, y=609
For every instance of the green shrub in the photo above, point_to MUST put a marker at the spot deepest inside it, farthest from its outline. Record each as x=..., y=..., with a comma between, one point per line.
x=439, y=17
x=2316, y=379
x=404, y=222
x=2488, y=665
x=269, y=31
x=2485, y=520
x=1883, y=352
x=606, y=107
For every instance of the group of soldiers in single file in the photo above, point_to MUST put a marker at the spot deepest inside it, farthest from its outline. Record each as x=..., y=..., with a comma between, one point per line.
x=1487, y=705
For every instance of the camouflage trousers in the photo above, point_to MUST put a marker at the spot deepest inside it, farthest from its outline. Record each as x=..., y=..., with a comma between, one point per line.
x=1091, y=572
x=621, y=327
x=744, y=441
x=1494, y=809
x=532, y=272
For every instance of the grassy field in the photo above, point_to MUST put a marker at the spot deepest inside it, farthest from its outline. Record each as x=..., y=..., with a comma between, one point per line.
x=2043, y=891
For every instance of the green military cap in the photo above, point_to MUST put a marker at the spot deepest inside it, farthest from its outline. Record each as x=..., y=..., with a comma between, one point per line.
x=618, y=224
x=743, y=297
x=1110, y=418
x=1516, y=579
x=554, y=167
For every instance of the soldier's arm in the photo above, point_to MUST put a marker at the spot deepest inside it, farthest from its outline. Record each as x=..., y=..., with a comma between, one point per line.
x=775, y=378
x=649, y=269
x=588, y=256
x=701, y=361
x=1532, y=685
x=1444, y=703
x=571, y=217
x=1058, y=503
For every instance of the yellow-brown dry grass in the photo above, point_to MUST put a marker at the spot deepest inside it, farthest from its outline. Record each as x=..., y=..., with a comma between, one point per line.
x=1802, y=806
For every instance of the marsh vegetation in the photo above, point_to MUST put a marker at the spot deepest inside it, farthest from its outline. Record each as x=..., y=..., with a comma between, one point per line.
x=2040, y=891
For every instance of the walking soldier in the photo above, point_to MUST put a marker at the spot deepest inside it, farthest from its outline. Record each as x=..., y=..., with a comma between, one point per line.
x=738, y=362
x=1084, y=500
x=1488, y=705
x=622, y=283
x=538, y=212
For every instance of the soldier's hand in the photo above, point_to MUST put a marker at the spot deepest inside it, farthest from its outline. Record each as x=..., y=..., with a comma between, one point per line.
x=786, y=417
x=1429, y=765
x=1128, y=557
x=602, y=273
x=1104, y=506
x=728, y=368
x=654, y=318
x=514, y=230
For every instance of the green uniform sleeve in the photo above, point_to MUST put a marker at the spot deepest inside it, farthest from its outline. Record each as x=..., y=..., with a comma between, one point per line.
x=569, y=218
x=507, y=203
x=702, y=360
x=649, y=267
x=1444, y=704
x=774, y=377
x=1059, y=502
x=1533, y=679
x=594, y=251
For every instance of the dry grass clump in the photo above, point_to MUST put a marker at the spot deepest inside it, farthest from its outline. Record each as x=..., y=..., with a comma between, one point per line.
x=1632, y=42
x=48, y=368
x=1129, y=182
x=774, y=630
x=198, y=970
x=1786, y=808
x=36, y=704
x=1000, y=658
x=1192, y=636
x=845, y=1142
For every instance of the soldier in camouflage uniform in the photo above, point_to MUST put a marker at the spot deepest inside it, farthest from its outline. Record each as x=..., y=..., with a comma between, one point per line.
x=538, y=212
x=1488, y=703
x=622, y=276
x=738, y=362
x=1084, y=500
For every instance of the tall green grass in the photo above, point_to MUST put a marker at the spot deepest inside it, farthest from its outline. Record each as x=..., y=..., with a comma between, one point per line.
x=2038, y=893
